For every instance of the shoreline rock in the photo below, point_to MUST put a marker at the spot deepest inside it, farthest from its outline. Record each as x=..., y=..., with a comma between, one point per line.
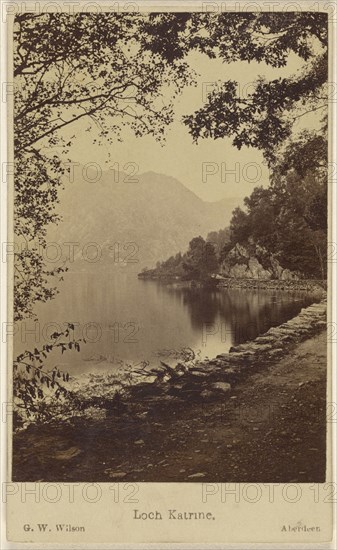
x=199, y=381
x=214, y=378
x=316, y=286
x=308, y=285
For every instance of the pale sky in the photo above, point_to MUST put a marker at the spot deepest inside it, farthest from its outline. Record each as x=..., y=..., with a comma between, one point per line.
x=180, y=157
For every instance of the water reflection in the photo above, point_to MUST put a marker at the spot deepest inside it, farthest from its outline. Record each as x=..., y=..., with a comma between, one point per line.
x=246, y=312
x=230, y=317
x=131, y=319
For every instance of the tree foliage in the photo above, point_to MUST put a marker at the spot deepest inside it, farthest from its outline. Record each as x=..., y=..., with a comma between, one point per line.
x=95, y=67
x=110, y=70
x=117, y=71
x=264, y=116
x=197, y=263
x=289, y=219
x=219, y=239
x=200, y=260
x=33, y=382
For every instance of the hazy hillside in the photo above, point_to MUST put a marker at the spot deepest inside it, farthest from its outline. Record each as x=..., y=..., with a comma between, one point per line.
x=157, y=213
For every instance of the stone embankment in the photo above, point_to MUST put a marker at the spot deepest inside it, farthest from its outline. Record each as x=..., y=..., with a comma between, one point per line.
x=309, y=285
x=206, y=380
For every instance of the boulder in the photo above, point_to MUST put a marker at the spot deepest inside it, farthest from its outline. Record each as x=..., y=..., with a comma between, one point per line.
x=207, y=395
x=256, y=269
x=254, y=262
x=276, y=267
x=198, y=373
x=288, y=275
x=67, y=454
x=221, y=387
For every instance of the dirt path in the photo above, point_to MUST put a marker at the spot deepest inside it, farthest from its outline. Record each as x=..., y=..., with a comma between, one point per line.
x=271, y=429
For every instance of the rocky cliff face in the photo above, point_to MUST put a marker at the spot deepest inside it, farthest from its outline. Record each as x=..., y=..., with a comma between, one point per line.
x=254, y=262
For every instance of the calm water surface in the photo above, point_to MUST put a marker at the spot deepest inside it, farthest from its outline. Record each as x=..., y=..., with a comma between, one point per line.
x=126, y=319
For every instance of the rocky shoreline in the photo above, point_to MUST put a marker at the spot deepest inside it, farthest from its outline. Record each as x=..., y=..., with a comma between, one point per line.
x=255, y=414
x=205, y=380
x=188, y=380
x=316, y=286
x=308, y=285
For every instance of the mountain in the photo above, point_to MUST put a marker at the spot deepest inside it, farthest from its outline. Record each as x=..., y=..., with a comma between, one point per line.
x=133, y=223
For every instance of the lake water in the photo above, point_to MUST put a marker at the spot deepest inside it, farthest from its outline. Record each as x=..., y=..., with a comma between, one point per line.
x=126, y=319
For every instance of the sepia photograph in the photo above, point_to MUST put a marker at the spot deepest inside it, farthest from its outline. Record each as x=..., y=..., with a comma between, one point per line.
x=170, y=252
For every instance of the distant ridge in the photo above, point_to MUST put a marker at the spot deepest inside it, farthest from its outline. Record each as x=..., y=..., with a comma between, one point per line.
x=156, y=212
